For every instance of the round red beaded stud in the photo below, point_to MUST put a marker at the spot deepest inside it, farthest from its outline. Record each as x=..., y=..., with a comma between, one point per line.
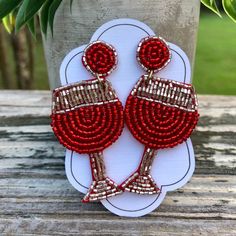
x=100, y=58
x=153, y=53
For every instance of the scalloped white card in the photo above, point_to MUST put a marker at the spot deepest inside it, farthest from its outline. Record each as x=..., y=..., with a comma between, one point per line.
x=172, y=168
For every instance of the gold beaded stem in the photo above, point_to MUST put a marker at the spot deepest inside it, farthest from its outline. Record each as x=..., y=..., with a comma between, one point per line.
x=141, y=181
x=102, y=187
x=97, y=166
x=147, y=160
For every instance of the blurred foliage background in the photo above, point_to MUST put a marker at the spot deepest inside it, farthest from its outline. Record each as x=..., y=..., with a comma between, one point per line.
x=22, y=63
x=215, y=63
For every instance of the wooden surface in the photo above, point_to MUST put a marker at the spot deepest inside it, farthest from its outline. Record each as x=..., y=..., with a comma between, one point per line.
x=36, y=198
x=175, y=20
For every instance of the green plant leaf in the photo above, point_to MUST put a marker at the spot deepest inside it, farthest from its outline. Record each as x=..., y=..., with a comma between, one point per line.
x=52, y=11
x=31, y=26
x=7, y=6
x=44, y=16
x=27, y=10
x=8, y=23
x=230, y=8
x=211, y=4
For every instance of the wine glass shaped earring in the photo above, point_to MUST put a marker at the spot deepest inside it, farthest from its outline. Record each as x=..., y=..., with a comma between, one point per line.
x=87, y=117
x=160, y=113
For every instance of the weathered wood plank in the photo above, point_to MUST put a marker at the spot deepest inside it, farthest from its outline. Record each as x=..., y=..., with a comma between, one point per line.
x=201, y=198
x=36, y=198
x=24, y=117
x=108, y=226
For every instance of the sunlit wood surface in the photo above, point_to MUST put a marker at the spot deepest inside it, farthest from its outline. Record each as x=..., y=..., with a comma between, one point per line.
x=37, y=199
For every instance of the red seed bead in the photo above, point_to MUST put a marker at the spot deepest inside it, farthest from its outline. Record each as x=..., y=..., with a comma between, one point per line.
x=157, y=125
x=153, y=53
x=100, y=58
x=89, y=129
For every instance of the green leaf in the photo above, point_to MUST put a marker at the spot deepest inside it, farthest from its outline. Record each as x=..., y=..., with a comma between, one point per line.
x=6, y=6
x=230, y=8
x=27, y=10
x=31, y=27
x=211, y=4
x=8, y=23
x=44, y=16
x=52, y=12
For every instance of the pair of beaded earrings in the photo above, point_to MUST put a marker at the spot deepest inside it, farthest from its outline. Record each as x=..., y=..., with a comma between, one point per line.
x=87, y=116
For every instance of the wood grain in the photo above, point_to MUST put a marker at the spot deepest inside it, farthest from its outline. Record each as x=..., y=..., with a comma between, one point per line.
x=36, y=198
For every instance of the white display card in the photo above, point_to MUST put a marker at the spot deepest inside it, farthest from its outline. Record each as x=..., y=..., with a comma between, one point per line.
x=173, y=167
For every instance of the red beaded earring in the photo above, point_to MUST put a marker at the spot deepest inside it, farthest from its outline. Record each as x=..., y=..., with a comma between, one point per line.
x=160, y=113
x=87, y=116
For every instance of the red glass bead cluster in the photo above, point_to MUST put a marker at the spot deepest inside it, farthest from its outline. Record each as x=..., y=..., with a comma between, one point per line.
x=87, y=117
x=153, y=53
x=89, y=129
x=159, y=113
x=94, y=116
x=156, y=125
x=100, y=58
